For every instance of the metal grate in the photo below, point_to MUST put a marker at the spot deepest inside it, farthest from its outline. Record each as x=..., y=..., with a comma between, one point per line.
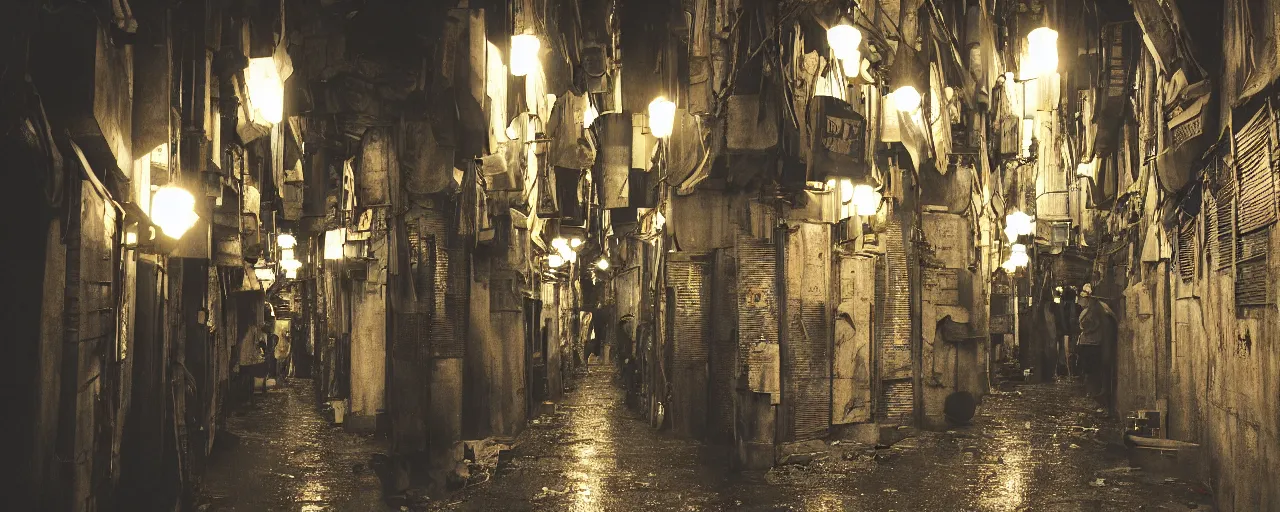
x=1224, y=215
x=807, y=361
x=724, y=350
x=1251, y=283
x=757, y=298
x=1187, y=251
x=690, y=345
x=893, y=339
x=448, y=299
x=1253, y=147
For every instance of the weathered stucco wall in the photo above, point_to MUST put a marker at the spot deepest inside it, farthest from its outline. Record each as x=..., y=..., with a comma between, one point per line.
x=368, y=350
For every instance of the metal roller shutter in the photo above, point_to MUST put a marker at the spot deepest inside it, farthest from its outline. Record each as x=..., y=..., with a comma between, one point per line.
x=896, y=403
x=690, y=345
x=806, y=346
x=1253, y=162
x=757, y=297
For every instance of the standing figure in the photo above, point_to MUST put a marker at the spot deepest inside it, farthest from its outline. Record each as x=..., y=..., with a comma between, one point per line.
x=1097, y=336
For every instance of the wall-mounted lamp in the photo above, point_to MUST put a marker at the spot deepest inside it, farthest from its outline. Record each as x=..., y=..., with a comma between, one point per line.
x=1042, y=52
x=524, y=54
x=173, y=210
x=266, y=89
x=662, y=117
x=866, y=200
x=603, y=264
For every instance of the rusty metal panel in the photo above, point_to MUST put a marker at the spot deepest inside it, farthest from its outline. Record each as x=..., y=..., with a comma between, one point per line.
x=691, y=345
x=1252, y=287
x=1225, y=216
x=805, y=350
x=1253, y=148
x=724, y=348
x=1187, y=251
x=893, y=332
x=445, y=287
x=757, y=297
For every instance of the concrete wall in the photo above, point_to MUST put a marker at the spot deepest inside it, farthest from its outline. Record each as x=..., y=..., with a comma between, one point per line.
x=368, y=353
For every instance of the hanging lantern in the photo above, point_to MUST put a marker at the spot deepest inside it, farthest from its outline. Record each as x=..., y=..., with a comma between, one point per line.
x=662, y=117
x=906, y=78
x=555, y=261
x=1042, y=50
x=524, y=54
x=866, y=200
x=290, y=265
x=286, y=241
x=266, y=89
x=603, y=264
x=265, y=275
x=1017, y=224
x=1019, y=258
x=844, y=40
x=575, y=243
x=173, y=210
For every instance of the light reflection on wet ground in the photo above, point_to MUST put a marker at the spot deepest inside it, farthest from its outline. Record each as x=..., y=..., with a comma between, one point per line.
x=287, y=458
x=1034, y=449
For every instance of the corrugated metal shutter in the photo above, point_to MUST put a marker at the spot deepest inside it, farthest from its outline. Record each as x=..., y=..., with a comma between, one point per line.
x=448, y=288
x=1252, y=284
x=1187, y=251
x=724, y=349
x=1224, y=214
x=1253, y=147
x=893, y=333
x=806, y=346
x=757, y=294
x=690, y=345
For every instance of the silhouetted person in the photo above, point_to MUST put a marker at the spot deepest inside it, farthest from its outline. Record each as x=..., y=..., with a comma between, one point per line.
x=1097, y=336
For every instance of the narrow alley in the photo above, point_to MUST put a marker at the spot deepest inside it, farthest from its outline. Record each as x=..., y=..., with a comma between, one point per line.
x=419, y=255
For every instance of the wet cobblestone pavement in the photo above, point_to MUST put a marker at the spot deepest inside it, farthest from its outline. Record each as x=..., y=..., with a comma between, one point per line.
x=1034, y=448
x=282, y=455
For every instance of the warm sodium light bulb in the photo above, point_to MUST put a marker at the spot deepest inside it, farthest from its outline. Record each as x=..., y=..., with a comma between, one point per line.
x=844, y=40
x=575, y=243
x=866, y=200
x=555, y=260
x=603, y=264
x=662, y=117
x=266, y=90
x=1042, y=47
x=524, y=54
x=906, y=99
x=560, y=243
x=173, y=210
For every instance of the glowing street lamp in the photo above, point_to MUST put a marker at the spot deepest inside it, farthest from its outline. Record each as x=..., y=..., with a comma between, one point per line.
x=1019, y=258
x=1017, y=224
x=555, y=261
x=286, y=241
x=173, y=210
x=844, y=40
x=524, y=54
x=603, y=264
x=266, y=89
x=866, y=200
x=662, y=117
x=1042, y=48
